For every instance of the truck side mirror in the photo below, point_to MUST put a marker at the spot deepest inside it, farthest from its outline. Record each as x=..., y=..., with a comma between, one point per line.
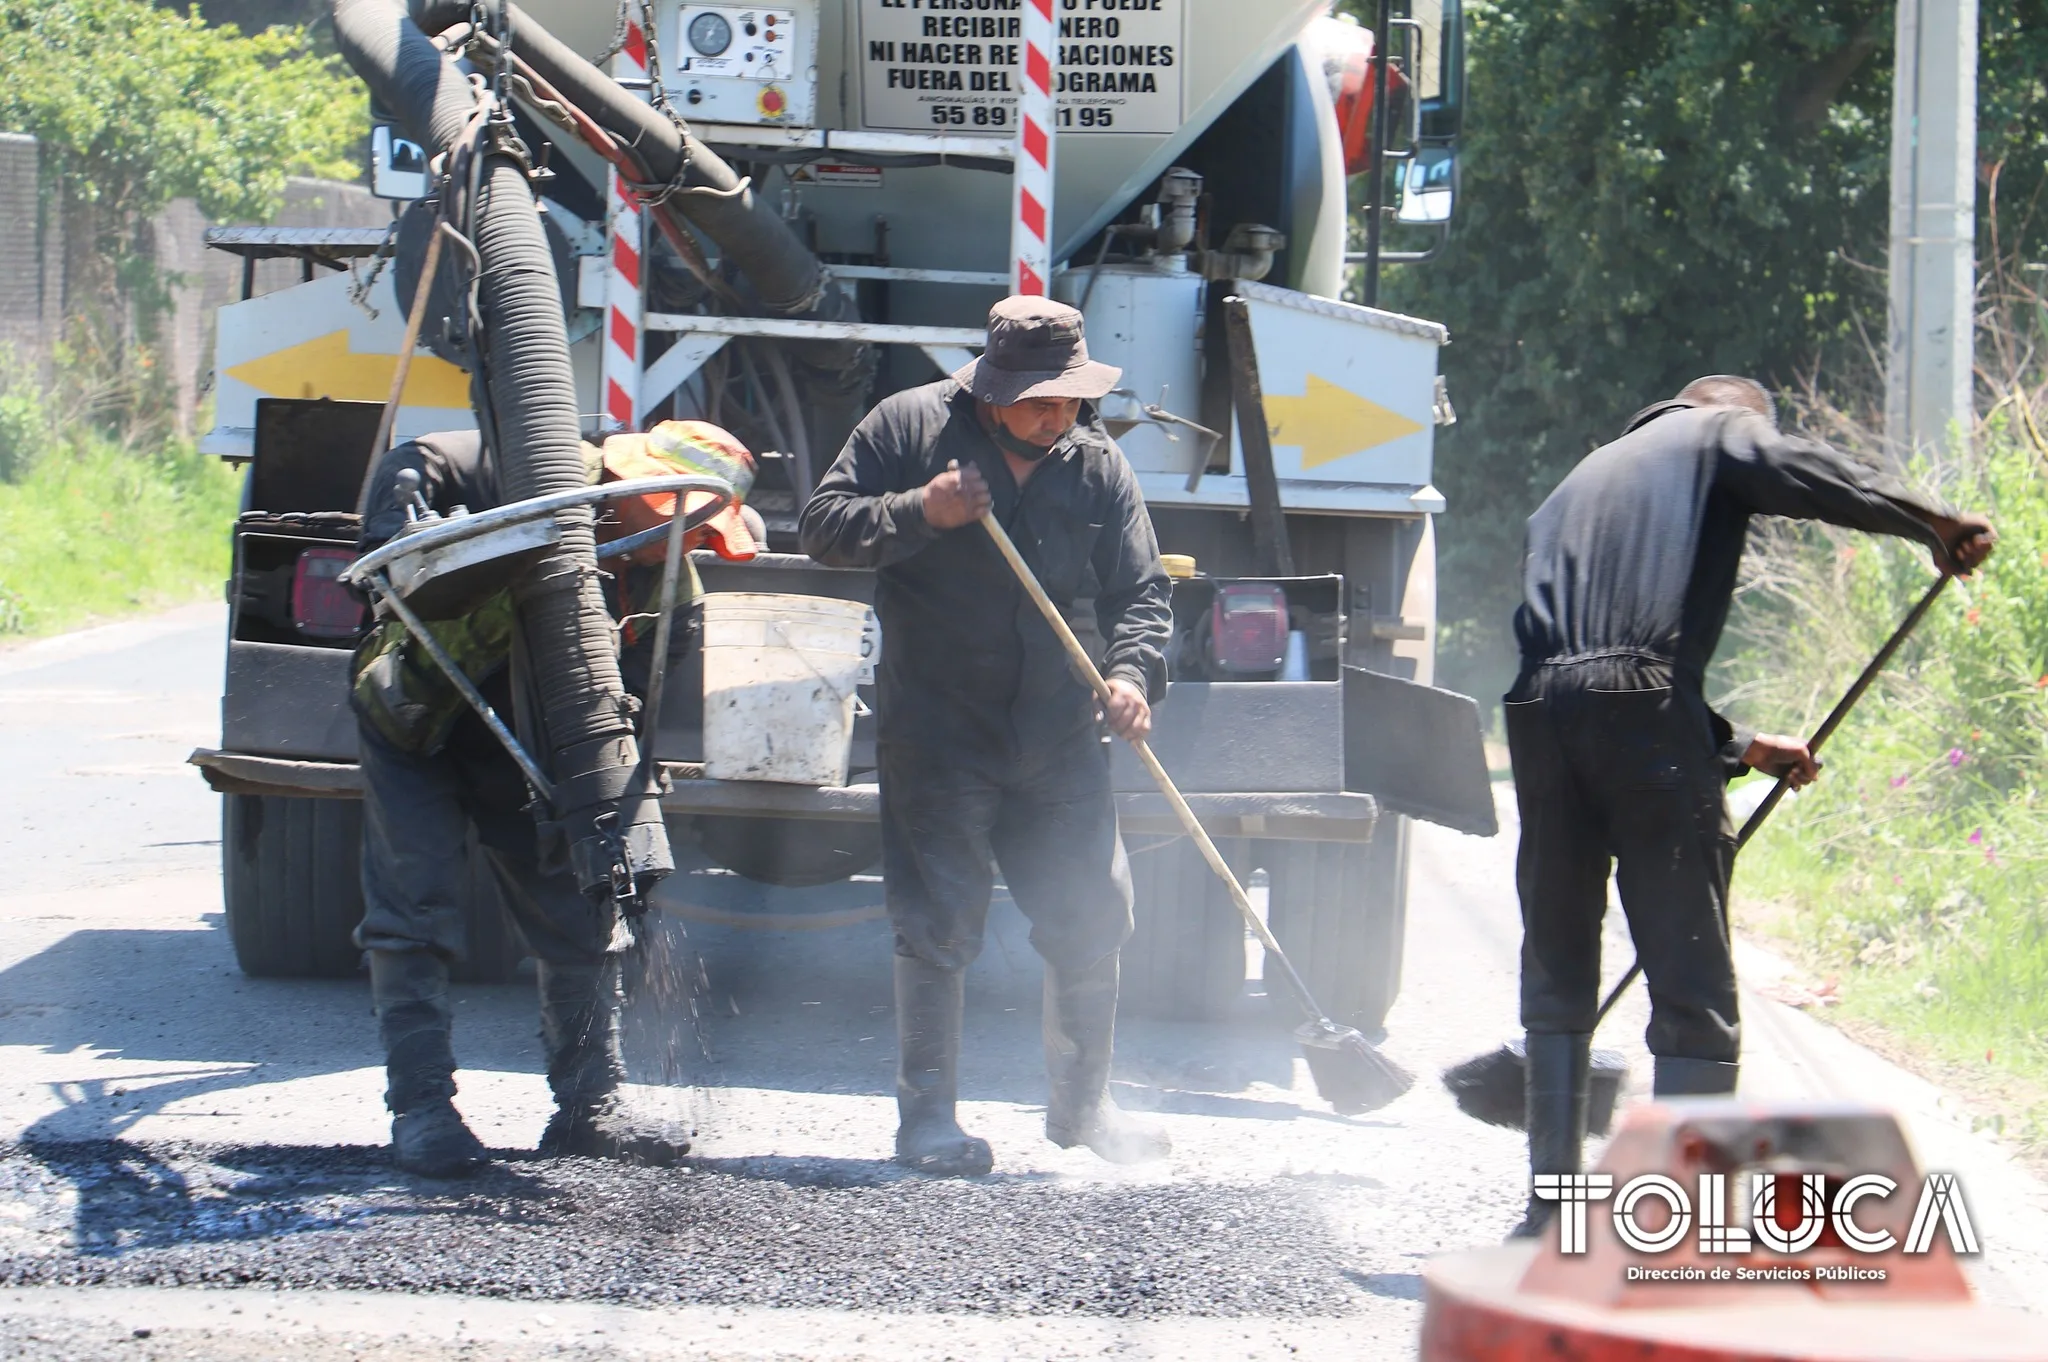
x=398, y=165
x=1429, y=187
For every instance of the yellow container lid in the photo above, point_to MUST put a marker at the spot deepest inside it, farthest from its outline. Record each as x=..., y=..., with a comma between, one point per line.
x=1177, y=564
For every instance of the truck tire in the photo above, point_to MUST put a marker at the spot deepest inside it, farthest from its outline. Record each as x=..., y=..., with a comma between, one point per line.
x=794, y=853
x=1340, y=910
x=1185, y=958
x=291, y=877
x=292, y=880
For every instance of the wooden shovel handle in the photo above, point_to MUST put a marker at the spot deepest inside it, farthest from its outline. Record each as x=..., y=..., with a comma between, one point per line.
x=1189, y=823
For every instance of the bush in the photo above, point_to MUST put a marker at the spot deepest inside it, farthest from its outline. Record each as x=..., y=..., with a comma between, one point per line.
x=24, y=430
x=1911, y=868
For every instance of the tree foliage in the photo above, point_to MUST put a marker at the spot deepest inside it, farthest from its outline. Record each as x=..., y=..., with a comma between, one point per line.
x=136, y=105
x=1651, y=193
x=139, y=105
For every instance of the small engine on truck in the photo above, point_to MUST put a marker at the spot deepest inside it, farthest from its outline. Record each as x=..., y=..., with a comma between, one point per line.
x=770, y=218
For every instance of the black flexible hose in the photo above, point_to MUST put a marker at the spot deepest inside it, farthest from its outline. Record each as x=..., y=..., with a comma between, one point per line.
x=584, y=710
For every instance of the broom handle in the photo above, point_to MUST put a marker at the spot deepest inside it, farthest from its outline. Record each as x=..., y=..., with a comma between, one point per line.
x=1189, y=823
x=1820, y=735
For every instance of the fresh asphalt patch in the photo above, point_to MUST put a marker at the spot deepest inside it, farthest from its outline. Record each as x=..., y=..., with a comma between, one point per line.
x=820, y=1233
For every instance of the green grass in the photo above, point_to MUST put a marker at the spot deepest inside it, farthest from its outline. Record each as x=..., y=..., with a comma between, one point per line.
x=90, y=531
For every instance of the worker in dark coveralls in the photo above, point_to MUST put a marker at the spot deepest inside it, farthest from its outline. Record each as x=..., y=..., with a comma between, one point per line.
x=432, y=772
x=989, y=746
x=1628, y=574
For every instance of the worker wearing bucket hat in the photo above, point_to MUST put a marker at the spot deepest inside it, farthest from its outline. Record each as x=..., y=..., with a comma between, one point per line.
x=989, y=747
x=434, y=777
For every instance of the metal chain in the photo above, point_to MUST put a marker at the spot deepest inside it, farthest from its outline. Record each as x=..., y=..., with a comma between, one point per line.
x=654, y=196
x=359, y=285
x=618, y=42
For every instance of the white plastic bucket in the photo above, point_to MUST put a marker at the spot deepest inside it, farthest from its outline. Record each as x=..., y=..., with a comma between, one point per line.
x=779, y=679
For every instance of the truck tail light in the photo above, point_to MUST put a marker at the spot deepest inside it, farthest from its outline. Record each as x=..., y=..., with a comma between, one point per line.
x=1248, y=629
x=321, y=606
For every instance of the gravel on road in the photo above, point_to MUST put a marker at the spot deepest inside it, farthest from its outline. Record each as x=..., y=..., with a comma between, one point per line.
x=843, y=1234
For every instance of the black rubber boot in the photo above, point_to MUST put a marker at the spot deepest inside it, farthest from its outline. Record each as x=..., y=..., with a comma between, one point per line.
x=1079, y=1026
x=410, y=992
x=1675, y=1077
x=1559, y=1073
x=579, y=1022
x=931, y=1002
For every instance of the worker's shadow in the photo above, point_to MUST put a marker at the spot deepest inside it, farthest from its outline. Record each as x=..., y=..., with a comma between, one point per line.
x=750, y=986
x=190, y=1037
x=132, y=1197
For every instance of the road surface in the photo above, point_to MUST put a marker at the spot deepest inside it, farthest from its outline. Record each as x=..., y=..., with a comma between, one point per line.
x=169, y=1127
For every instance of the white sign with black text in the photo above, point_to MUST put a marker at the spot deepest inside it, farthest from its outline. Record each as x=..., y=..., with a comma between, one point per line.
x=951, y=65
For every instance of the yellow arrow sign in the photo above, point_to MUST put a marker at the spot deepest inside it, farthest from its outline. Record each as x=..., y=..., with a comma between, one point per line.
x=327, y=367
x=1331, y=423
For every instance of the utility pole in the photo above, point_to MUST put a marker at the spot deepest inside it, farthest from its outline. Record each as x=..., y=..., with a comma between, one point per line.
x=1931, y=332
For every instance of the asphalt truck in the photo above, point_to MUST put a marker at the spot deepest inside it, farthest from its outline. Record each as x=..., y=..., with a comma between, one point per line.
x=770, y=217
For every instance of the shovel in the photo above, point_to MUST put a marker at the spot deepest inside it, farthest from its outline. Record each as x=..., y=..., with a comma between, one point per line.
x=1349, y=1073
x=1490, y=1087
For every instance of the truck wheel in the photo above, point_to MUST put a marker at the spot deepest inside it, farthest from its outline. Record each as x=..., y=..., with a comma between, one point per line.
x=291, y=874
x=795, y=853
x=1185, y=958
x=292, y=881
x=1341, y=911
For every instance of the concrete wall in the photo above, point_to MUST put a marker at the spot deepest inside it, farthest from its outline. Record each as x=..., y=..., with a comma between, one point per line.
x=31, y=265
x=23, y=313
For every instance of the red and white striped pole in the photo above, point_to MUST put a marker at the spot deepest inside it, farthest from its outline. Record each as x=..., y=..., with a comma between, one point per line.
x=622, y=306
x=1031, y=212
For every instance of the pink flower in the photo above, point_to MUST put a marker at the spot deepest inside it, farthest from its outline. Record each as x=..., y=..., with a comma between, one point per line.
x=1977, y=838
x=1955, y=756
x=1899, y=782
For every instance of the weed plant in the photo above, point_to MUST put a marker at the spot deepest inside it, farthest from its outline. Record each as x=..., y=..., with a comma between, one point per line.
x=1911, y=872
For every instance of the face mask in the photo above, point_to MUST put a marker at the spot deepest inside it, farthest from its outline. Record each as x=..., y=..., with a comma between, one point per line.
x=1011, y=445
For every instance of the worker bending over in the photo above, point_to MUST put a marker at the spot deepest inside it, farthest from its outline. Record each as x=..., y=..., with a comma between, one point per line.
x=988, y=743
x=1627, y=578
x=433, y=772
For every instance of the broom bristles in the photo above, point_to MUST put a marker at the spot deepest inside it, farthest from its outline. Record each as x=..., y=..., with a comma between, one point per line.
x=1349, y=1073
x=1493, y=1087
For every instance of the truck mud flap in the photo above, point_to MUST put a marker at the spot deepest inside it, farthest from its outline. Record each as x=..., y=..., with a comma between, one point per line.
x=1418, y=750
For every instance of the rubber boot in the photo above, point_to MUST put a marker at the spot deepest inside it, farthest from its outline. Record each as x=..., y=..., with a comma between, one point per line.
x=410, y=992
x=931, y=1002
x=579, y=1023
x=1079, y=1026
x=1559, y=1069
x=1676, y=1077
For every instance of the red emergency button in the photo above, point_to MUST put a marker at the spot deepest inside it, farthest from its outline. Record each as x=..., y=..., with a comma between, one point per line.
x=773, y=103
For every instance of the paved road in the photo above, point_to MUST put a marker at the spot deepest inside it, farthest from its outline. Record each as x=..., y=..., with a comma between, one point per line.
x=167, y=1124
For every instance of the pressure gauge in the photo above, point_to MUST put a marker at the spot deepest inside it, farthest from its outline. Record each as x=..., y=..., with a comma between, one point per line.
x=709, y=34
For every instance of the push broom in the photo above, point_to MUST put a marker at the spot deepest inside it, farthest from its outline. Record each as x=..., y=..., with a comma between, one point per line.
x=1491, y=1087
x=1349, y=1073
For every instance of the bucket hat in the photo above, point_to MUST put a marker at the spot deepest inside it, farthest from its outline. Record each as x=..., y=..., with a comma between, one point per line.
x=1035, y=349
